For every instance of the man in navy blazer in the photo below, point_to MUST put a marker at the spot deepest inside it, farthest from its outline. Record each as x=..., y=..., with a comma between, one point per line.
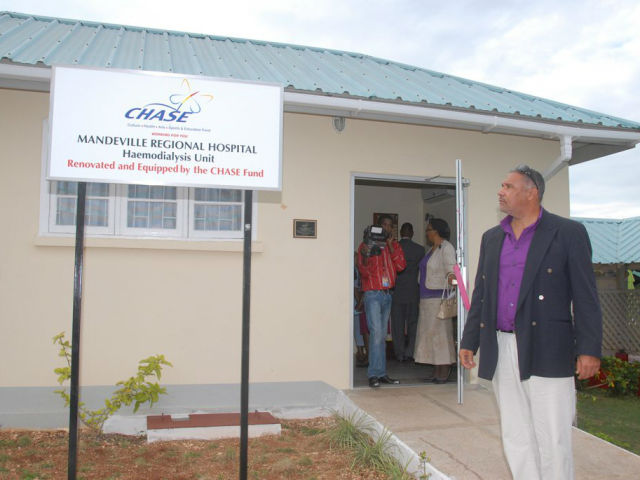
x=536, y=318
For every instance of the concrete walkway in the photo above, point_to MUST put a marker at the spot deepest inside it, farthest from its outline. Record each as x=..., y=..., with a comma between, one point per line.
x=463, y=441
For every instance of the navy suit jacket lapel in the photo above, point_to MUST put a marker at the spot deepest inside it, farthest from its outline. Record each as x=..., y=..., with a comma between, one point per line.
x=494, y=247
x=542, y=238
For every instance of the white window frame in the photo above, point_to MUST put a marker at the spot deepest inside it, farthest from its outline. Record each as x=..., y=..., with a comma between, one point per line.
x=122, y=229
x=53, y=227
x=224, y=234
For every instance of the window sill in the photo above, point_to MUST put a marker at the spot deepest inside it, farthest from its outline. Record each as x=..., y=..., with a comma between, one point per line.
x=149, y=243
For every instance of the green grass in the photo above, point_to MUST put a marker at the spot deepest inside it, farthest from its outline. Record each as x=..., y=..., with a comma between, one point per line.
x=356, y=433
x=189, y=455
x=285, y=450
x=614, y=419
x=28, y=475
x=311, y=431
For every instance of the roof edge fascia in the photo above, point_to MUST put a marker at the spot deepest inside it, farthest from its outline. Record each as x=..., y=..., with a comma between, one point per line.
x=38, y=77
x=368, y=109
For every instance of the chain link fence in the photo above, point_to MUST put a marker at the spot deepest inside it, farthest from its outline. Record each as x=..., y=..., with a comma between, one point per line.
x=621, y=320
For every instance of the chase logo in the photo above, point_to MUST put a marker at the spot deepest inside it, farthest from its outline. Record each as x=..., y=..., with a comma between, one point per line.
x=180, y=107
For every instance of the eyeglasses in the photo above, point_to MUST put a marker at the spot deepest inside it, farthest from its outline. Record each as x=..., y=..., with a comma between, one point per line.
x=529, y=173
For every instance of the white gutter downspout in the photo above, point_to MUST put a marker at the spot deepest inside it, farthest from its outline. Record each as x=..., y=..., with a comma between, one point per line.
x=566, y=151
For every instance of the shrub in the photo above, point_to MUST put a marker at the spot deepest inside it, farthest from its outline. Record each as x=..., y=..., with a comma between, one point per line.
x=137, y=389
x=620, y=377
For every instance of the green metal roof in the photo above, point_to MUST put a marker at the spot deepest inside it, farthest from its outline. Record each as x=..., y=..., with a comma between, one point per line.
x=614, y=241
x=45, y=41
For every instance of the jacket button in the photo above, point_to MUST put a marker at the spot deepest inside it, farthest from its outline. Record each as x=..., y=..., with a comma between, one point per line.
x=482, y=300
x=481, y=325
x=534, y=323
x=549, y=270
x=540, y=297
x=483, y=277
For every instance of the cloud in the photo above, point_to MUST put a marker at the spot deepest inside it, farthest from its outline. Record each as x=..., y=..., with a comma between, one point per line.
x=606, y=187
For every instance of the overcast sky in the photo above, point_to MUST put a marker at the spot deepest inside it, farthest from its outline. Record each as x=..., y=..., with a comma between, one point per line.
x=585, y=53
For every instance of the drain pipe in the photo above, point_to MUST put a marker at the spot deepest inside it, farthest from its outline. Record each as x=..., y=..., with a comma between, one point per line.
x=566, y=151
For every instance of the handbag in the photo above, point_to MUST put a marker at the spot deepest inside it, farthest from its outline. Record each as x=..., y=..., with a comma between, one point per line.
x=448, y=303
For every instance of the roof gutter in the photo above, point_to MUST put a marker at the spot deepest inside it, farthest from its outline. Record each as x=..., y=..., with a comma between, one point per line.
x=368, y=109
x=38, y=78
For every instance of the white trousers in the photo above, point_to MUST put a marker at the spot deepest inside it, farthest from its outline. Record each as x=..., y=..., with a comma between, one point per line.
x=536, y=416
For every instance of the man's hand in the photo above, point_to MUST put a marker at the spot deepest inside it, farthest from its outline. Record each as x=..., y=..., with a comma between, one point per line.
x=364, y=254
x=466, y=358
x=587, y=366
x=390, y=243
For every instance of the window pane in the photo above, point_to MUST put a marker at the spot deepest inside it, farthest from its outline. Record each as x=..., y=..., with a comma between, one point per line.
x=138, y=191
x=152, y=214
x=96, y=212
x=155, y=215
x=170, y=193
x=96, y=209
x=217, y=217
x=202, y=194
x=217, y=195
x=97, y=189
x=66, y=211
x=67, y=188
x=230, y=195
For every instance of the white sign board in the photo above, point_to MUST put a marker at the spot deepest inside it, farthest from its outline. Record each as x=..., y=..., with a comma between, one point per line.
x=116, y=126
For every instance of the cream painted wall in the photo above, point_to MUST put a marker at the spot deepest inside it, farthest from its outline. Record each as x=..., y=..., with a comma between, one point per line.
x=186, y=304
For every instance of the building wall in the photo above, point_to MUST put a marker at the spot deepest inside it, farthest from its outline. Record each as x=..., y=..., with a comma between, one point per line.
x=183, y=299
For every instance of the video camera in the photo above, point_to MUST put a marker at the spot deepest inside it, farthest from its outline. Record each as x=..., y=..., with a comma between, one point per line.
x=375, y=238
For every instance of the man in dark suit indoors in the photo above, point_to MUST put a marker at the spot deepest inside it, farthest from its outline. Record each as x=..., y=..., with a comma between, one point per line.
x=406, y=297
x=536, y=318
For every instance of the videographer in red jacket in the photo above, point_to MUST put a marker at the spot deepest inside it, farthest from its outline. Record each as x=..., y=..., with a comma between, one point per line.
x=380, y=258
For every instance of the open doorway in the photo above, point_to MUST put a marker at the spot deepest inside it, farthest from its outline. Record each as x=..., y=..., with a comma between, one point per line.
x=406, y=200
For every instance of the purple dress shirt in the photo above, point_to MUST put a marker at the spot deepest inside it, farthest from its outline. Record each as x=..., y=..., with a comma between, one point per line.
x=512, y=260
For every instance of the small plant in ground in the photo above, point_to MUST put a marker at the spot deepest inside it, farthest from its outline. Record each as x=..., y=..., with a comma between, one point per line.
x=356, y=432
x=137, y=390
x=230, y=454
x=189, y=455
x=24, y=441
x=311, y=431
x=423, y=466
x=285, y=450
x=29, y=475
x=349, y=431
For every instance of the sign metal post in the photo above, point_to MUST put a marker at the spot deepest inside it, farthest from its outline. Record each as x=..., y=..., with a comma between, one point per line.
x=75, y=336
x=246, y=320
